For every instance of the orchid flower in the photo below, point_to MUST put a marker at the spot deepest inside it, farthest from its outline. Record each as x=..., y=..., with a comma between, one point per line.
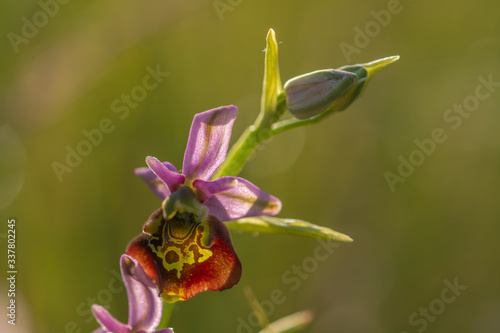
x=185, y=246
x=145, y=307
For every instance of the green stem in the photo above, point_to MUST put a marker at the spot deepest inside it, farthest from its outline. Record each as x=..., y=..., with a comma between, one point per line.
x=254, y=135
x=167, y=313
x=242, y=150
x=291, y=123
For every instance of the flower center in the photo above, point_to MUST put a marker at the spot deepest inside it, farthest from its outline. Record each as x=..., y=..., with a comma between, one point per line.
x=183, y=201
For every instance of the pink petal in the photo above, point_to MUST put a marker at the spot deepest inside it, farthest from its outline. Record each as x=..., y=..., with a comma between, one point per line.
x=156, y=184
x=99, y=330
x=108, y=323
x=231, y=198
x=171, y=178
x=145, y=307
x=208, y=142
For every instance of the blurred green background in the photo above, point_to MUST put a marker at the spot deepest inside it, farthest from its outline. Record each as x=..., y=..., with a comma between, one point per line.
x=441, y=223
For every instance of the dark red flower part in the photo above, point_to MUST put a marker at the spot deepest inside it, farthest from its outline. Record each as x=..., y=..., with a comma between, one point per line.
x=185, y=256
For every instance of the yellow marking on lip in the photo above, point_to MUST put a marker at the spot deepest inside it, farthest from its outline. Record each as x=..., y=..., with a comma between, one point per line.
x=179, y=252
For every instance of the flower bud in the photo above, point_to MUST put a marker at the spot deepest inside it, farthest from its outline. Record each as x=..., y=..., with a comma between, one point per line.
x=322, y=91
x=310, y=94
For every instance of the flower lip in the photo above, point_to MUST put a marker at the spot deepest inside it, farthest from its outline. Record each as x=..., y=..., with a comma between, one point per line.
x=186, y=256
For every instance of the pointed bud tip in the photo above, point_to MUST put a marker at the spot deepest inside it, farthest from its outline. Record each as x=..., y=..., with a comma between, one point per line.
x=304, y=316
x=346, y=239
x=271, y=39
x=374, y=66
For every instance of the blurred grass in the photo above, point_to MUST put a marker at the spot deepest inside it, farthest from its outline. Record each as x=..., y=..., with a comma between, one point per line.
x=441, y=223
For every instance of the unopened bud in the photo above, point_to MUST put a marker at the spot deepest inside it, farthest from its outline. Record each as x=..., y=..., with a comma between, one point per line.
x=310, y=94
x=328, y=90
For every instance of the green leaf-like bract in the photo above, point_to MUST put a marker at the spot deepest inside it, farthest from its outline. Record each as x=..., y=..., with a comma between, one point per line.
x=271, y=87
x=275, y=225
